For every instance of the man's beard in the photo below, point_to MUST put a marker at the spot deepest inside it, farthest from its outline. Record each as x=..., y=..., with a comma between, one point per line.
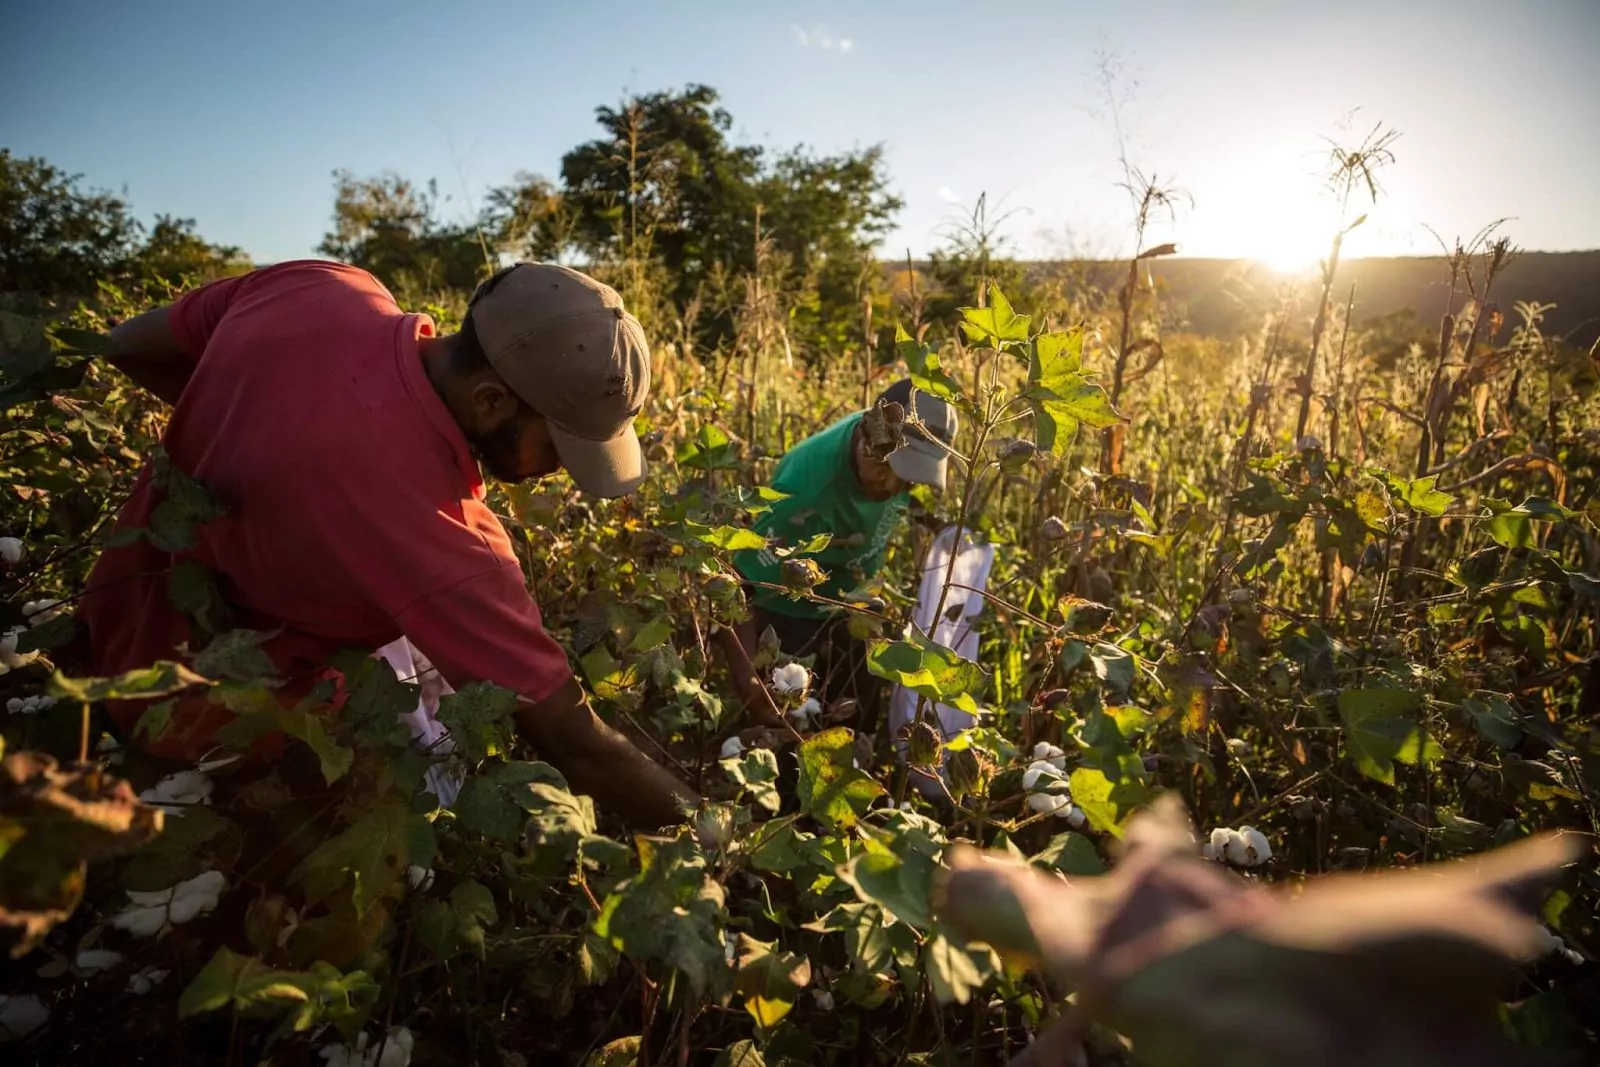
x=496, y=450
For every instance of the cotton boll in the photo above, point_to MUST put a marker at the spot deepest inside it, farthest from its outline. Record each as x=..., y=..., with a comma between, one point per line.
x=1076, y=817
x=807, y=711
x=421, y=878
x=10, y=551
x=21, y=1015
x=1047, y=804
x=15, y=705
x=9, y=656
x=178, y=791
x=732, y=748
x=39, y=612
x=1040, y=774
x=141, y=921
x=791, y=678
x=823, y=999
x=1219, y=841
x=397, y=1049
x=97, y=959
x=1045, y=752
x=1572, y=956
x=1209, y=852
x=1256, y=845
x=1066, y=811
x=1238, y=747
x=1237, y=850
x=143, y=981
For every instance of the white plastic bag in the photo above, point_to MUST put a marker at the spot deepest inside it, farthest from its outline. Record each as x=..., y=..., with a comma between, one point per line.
x=423, y=721
x=956, y=629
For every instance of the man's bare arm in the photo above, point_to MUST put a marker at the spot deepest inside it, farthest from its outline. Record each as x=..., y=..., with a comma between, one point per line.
x=146, y=350
x=599, y=762
x=736, y=643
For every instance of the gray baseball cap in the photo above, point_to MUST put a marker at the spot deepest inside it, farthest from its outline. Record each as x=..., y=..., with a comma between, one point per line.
x=921, y=460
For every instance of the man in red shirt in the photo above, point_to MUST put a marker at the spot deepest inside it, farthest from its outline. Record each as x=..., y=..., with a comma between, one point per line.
x=344, y=438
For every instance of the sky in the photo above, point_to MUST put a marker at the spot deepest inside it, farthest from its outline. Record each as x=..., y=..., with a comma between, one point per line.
x=237, y=115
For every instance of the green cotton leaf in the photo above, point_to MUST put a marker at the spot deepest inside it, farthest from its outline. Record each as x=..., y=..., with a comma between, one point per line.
x=1584, y=585
x=305, y=725
x=899, y=881
x=1264, y=494
x=1070, y=853
x=831, y=789
x=1107, y=804
x=670, y=911
x=1113, y=666
x=237, y=656
x=926, y=372
x=160, y=679
x=777, y=846
x=809, y=547
x=185, y=505
x=375, y=698
x=652, y=634
x=954, y=970
x=155, y=720
x=768, y=979
x=55, y=633
x=995, y=325
x=609, y=679
x=1495, y=719
x=1061, y=394
x=192, y=591
x=757, y=771
x=374, y=853
x=1380, y=728
x=495, y=801
x=728, y=538
x=478, y=718
x=242, y=982
x=929, y=669
x=1419, y=494
x=474, y=911
x=711, y=450
x=1545, y=509
x=435, y=927
x=1511, y=529
x=559, y=821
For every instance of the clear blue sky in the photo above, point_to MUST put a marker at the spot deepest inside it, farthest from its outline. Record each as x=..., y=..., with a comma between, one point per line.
x=237, y=114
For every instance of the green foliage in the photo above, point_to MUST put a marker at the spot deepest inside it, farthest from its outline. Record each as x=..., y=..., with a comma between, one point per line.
x=478, y=718
x=928, y=669
x=832, y=789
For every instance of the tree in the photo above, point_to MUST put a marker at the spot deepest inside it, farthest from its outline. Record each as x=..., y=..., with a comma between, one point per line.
x=390, y=227
x=174, y=253
x=56, y=239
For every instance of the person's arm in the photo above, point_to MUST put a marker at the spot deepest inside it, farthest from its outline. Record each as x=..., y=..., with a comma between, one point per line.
x=736, y=642
x=160, y=348
x=145, y=349
x=598, y=761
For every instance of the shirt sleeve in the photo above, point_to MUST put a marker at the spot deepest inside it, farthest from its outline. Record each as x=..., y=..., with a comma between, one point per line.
x=488, y=629
x=195, y=315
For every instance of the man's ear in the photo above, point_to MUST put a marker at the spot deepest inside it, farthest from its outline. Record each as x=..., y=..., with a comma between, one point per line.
x=493, y=402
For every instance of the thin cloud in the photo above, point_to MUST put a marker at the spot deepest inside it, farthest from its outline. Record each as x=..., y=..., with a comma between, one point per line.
x=819, y=37
x=948, y=195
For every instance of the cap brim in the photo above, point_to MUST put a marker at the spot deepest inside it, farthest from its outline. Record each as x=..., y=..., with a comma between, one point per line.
x=601, y=468
x=920, y=462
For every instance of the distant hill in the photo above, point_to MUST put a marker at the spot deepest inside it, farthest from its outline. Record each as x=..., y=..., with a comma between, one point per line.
x=1224, y=296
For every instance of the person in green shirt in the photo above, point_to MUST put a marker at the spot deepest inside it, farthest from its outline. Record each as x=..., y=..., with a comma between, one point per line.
x=836, y=482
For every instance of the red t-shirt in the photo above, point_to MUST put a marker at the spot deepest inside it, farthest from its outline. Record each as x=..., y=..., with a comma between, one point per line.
x=355, y=508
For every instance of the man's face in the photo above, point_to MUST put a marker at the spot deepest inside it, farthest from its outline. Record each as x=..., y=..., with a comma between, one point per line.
x=517, y=448
x=878, y=479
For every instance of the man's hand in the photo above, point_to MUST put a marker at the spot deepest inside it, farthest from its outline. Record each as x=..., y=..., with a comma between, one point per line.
x=600, y=762
x=758, y=703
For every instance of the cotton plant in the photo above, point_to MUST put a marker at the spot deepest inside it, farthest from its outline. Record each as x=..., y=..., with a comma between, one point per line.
x=30, y=705
x=1045, y=752
x=805, y=716
x=732, y=748
x=1047, y=791
x=1244, y=847
x=792, y=684
x=393, y=1051
x=152, y=914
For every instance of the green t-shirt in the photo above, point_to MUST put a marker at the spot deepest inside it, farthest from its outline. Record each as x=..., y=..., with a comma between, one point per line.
x=824, y=496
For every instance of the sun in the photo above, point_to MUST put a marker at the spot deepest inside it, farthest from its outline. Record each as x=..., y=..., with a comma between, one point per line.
x=1271, y=208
